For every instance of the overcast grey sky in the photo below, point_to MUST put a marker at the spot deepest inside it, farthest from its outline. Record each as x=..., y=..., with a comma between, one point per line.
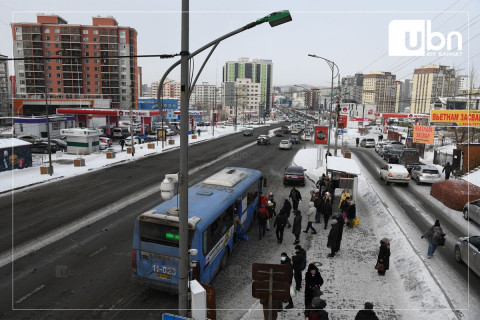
x=352, y=33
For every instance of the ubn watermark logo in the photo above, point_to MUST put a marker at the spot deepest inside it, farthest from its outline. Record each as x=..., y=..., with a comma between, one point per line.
x=415, y=38
x=65, y=271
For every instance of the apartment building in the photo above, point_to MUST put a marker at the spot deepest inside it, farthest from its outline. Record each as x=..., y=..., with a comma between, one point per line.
x=241, y=98
x=258, y=71
x=73, y=61
x=5, y=110
x=429, y=83
x=352, y=88
x=203, y=96
x=379, y=88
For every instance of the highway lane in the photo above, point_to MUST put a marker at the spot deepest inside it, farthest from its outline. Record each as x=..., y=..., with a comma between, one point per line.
x=91, y=268
x=415, y=209
x=40, y=209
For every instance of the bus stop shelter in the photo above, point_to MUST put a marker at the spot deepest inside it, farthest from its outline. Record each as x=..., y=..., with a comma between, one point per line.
x=346, y=171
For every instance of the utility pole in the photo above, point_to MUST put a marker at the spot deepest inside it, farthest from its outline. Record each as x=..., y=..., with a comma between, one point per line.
x=236, y=106
x=50, y=167
x=338, y=115
x=132, y=142
x=183, y=174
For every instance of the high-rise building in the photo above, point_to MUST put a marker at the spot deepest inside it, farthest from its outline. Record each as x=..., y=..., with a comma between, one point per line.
x=259, y=72
x=403, y=95
x=5, y=110
x=203, y=96
x=241, y=99
x=429, y=83
x=353, y=86
x=379, y=89
x=72, y=61
x=461, y=85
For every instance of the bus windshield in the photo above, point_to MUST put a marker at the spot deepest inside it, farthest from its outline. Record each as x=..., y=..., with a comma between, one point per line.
x=160, y=234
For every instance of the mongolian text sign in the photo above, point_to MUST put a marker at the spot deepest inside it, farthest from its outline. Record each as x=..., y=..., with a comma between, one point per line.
x=455, y=118
x=423, y=134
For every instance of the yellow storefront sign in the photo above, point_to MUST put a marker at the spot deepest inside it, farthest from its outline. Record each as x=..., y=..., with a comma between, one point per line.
x=423, y=134
x=455, y=118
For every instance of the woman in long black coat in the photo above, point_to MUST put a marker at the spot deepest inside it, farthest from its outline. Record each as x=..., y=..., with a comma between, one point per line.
x=384, y=255
x=297, y=226
x=313, y=279
x=327, y=209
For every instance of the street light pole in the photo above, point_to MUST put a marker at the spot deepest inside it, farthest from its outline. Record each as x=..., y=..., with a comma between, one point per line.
x=332, y=66
x=50, y=167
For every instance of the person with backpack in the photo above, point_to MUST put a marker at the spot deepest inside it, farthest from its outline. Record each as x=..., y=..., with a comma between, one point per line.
x=262, y=221
x=296, y=198
x=297, y=226
x=435, y=237
x=299, y=261
x=280, y=223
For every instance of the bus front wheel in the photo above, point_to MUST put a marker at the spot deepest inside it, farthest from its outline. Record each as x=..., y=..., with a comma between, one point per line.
x=224, y=261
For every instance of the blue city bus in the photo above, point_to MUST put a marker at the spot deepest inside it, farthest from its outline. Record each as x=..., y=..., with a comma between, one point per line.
x=212, y=230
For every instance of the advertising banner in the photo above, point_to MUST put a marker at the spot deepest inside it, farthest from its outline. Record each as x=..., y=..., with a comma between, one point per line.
x=423, y=134
x=342, y=121
x=321, y=135
x=455, y=118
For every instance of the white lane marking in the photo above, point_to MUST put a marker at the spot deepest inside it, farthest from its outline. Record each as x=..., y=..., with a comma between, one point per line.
x=97, y=252
x=31, y=293
x=50, y=237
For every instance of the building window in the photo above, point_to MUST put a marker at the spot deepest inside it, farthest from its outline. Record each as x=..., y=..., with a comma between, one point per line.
x=96, y=68
x=47, y=45
x=85, y=46
x=59, y=67
x=87, y=75
x=96, y=61
x=97, y=83
x=85, y=39
x=95, y=31
x=85, y=31
x=47, y=38
x=87, y=68
x=95, y=39
x=87, y=83
x=19, y=29
x=57, y=45
x=86, y=61
x=57, y=30
x=49, y=75
x=95, y=46
x=58, y=60
x=124, y=83
x=57, y=38
x=97, y=76
x=86, y=54
x=49, y=82
x=59, y=89
x=59, y=75
x=49, y=67
x=97, y=90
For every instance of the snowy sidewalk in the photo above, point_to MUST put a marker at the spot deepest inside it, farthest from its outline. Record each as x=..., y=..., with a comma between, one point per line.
x=406, y=292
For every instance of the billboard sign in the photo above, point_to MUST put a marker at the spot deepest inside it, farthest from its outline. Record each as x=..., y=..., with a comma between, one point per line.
x=455, y=118
x=423, y=134
x=321, y=135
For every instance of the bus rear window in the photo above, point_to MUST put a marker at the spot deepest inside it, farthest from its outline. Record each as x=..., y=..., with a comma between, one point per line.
x=160, y=234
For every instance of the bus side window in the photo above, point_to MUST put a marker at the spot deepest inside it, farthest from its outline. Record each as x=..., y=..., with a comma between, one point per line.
x=205, y=242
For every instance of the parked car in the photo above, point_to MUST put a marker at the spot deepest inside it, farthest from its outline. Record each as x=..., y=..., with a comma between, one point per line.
x=384, y=148
x=144, y=137
x=285, y=144
x=425, y=174
x=263, y=139
x=106, y=140
x=394, y=173
x=467, y=250
x=137, y=140
x=471, y=211
x=248, y=132
x=294, y=140
x=306, y=137
x=391, y=156
x=367, y=143
x=397, y=145
x=61, y=144
x=120, y=132
x=294, y=175
x=42, y=147
x=102, y=145
x=31, y=139
x=379, y=145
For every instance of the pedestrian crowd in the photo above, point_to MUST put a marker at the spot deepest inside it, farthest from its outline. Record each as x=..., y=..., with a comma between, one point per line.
x=307, y=276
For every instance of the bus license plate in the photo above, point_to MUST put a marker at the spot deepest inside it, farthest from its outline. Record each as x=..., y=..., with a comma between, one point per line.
x=164, y=276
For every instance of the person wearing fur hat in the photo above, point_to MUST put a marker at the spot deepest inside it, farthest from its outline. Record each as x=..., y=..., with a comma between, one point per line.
x=316, y=311
x=384, y=256
x=367, y=313
x=327, y=208
x=313, y=282
x=332, y=238
x=435, y=237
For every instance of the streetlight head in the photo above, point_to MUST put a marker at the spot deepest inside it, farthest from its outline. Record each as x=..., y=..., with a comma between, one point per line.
x=311, y=55
x=276, y=18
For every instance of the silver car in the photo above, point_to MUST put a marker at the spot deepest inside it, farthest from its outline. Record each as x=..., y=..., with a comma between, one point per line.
x=467, y=250
x=472, y=210
x=425, y=174
x=382, y=149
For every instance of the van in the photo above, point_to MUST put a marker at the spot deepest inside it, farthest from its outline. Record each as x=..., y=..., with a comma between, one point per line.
x=120, y=132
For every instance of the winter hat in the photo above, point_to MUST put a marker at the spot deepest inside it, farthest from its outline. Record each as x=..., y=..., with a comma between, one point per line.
x=270, y=194
x=437, y=223
x=327, y=193
x=299, y=247
x=368, y=306
x=270, y=203
x=318, y=303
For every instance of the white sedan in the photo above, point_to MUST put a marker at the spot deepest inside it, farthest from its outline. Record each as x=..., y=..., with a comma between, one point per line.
x=137, y=140
x=394, y=173
x=285, y=144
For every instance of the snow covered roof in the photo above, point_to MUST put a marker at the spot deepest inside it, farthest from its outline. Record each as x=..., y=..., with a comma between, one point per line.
x=340, y=164
x=12, y=142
